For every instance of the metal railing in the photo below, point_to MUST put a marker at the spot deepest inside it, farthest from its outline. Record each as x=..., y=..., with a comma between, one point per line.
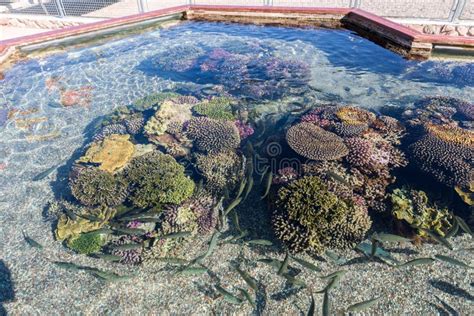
x=439, y=10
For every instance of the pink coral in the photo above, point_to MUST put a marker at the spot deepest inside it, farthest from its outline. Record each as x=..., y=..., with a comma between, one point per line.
x=245, y=130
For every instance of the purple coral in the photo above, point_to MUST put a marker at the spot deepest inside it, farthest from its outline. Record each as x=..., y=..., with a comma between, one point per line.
x=245, y=130
x=285, y=175
x=129, y=256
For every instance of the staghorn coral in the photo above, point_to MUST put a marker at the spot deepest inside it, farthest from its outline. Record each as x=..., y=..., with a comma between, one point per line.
x=112, y=153
x=129, y=256
x=219, y=108
x=221, y=170
x=68, y=228
x=413, y=207
x=294, y=235
x=211, y=135
x=313, y=142
x=92, y=186
x=331, y=222
x=86, y=243
x=155, y=179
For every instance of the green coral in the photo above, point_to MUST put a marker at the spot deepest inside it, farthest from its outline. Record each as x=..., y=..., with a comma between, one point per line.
x=156, y=179
x=217, y=108
x=153, y=100
x=86, y=243
x=413, y=207
x=92, y=186
x=221, y=170
x=320, y=218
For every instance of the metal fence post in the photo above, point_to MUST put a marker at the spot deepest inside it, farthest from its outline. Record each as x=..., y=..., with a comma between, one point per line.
x=456, y=10
x=59, y=6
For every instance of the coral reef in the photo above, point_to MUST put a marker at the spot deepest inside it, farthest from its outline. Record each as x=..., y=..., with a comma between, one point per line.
x=169, y=114
x=245, y=130
x=221, y=170
x=86, y=221
x=106, y=131
x=446, y=154
x=127, y=256
x=177, y=59
x=313, y=142
x=87, y=243
x=112, y=153
x=285, y=175
x=153, y=100
x=157, y=179
x=330, y=221
x=211, y=135
x=219, y=108
x=413, y=207
x=92, y=186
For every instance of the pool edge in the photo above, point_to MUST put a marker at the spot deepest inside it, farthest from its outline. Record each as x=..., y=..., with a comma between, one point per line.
x=386, y=33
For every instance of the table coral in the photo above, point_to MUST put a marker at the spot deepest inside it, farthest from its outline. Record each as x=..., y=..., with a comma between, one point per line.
x=112, y=153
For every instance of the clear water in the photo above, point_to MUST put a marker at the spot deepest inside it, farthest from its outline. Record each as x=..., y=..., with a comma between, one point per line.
x=37, y=132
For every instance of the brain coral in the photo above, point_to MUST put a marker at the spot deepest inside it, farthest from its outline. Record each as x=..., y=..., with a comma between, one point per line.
x=313, y=142
x=92, y=186
x=330, y=221
x=157, y=179
x=112, y=153
x=213, y=135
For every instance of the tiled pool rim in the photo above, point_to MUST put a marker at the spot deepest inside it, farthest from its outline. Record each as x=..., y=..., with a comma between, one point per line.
x=391, y=35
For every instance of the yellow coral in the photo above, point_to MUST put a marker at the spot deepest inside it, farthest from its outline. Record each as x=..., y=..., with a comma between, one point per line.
x=452, y=134
x=70, y=229
x=112, y=153
x=355, y=116
x=168, y=114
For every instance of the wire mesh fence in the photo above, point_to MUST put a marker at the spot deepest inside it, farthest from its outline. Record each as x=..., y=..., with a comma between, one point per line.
x=443, y=10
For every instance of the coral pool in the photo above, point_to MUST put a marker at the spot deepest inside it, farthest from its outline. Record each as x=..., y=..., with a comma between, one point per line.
x=213, y=168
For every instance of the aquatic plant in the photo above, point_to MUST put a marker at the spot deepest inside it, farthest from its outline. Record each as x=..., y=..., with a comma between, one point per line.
x=155, y=179
x=92, y=186
x=112, y=153
x=313, y=142
x=219, y=108
x=68, y=228
x=211, y=135
x=330, y=221
x=86, y=243
x=127, y=256
x=221, y=170
x=413, y=207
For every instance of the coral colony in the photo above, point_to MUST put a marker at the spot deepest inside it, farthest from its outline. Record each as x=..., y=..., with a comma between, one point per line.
x=130, y=190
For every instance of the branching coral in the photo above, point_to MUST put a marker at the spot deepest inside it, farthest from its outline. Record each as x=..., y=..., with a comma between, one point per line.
x=413, y=207
x=157, y=179
x=112, y=153
x=87, y=243
x=221, y=170
x=219, y=108
x=213, y=135
x=329, y=220
x=127, y=256
x=313, y=142
x=92, y=186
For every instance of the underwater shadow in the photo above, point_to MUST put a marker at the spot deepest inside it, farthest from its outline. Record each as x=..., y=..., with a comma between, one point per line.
x=7, y=292
x=451, y=289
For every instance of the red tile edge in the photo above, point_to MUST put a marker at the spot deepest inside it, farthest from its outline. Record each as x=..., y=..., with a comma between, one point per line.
x=357, y=15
